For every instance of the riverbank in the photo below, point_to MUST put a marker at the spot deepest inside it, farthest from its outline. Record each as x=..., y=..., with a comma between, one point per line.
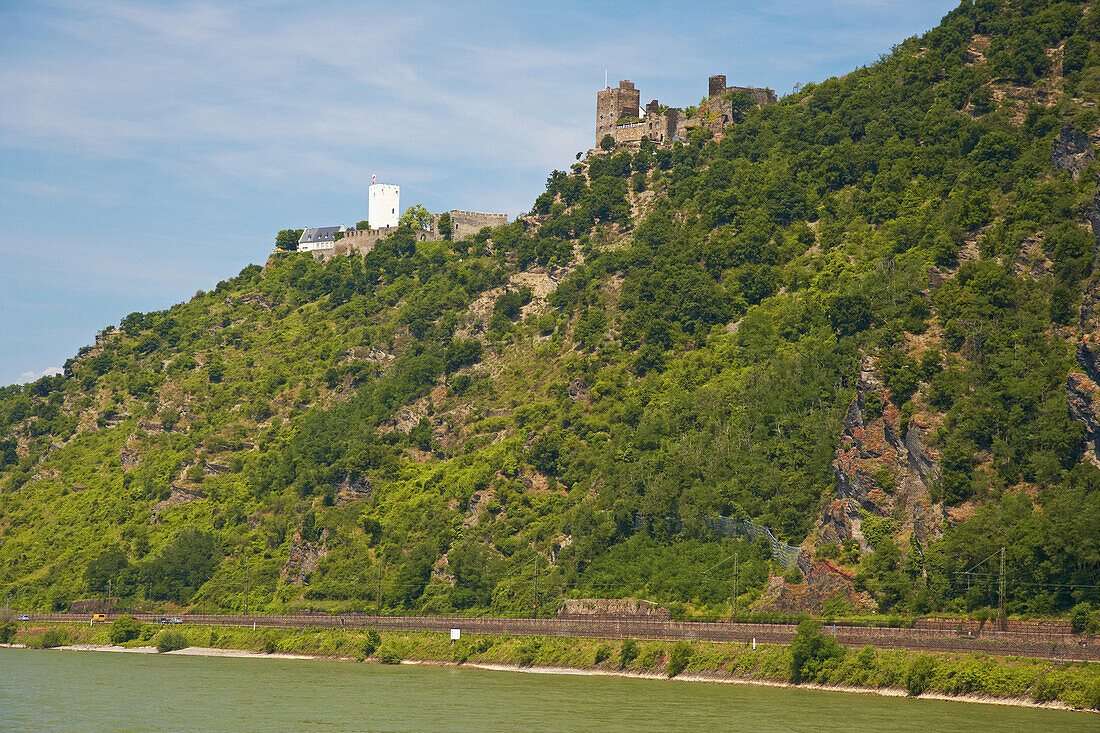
x=964, y=678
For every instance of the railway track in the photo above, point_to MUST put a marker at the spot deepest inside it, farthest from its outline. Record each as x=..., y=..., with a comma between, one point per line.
x=1040, y=644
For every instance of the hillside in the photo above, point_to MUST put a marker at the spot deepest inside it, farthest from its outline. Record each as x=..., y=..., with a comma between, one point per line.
x=863, y=318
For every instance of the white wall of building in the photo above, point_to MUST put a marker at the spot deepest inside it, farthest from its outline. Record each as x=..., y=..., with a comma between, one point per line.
x=384, y=205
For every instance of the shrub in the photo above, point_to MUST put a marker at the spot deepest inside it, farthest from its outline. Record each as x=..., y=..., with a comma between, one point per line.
x=679, y=658
x=810, y=650
x=1079, y=617
x=8, y=628
x=125, y=628
x=51, y=638
x=389, y=654
x=628, y=652
x=873, y=406
x=271, y=644
x=1092, y=695
x=172, y=639
x=371, y=643
x=1047, y=688
x=527, y=653
x=919, y=675
x=603, y=653
x=650, y=657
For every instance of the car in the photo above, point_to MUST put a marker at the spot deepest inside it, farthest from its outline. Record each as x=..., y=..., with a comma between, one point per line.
x=162, y=620
x=99, y=617
x=177, y=620
x=24, y=617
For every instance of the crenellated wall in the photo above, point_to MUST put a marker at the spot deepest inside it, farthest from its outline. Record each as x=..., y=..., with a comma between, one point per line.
x=468, y=223
x=463, y=224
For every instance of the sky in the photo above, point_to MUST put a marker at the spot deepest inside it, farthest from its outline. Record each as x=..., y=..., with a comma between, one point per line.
x=150, y=149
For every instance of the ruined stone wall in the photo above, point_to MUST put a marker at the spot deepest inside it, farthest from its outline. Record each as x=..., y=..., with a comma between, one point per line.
x=762, y=97
x=467, y=223
x=715, y=113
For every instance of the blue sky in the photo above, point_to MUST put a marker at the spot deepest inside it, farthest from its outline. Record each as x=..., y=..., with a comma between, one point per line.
x=151, y=149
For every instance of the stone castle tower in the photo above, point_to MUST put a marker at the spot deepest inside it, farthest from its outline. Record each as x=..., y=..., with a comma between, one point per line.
x=613, y=104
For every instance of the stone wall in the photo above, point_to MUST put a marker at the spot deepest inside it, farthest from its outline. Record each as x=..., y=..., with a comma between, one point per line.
x=468, y=223
x=633, y=132
x=361, y=241
x=611, y=607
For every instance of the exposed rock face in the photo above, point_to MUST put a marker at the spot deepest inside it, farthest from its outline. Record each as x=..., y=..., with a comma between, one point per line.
x=1072, y=151
x=180, y=495
x=578, y=390
x=1083, y=395
x=1090, y=303
x=350, y=491
x=303, y=558
x=1093, y=216
x=823, y=582
x=879, y=471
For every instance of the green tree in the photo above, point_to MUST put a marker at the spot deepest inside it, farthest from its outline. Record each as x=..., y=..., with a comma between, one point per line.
x=416, y=217
x=679, y=658
x=125, y=628
x=107, y=567
x=812, y=651
x=8, y=627
x=287, y=240
x=628, y=652
x=181, y=566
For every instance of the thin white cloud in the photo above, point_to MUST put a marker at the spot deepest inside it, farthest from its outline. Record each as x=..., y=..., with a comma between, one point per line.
x=153, y=148
x=28, y=377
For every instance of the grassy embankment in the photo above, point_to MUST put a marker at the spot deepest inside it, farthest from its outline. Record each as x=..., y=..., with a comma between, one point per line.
x=1074, y=684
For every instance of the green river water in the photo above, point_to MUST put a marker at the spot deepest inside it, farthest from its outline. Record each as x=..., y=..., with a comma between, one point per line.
x=88, y=691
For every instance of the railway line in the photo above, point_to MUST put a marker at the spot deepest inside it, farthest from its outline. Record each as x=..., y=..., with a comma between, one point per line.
x=1036, y=644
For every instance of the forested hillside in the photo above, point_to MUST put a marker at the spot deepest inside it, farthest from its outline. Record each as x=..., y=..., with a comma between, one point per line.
x=861, y=318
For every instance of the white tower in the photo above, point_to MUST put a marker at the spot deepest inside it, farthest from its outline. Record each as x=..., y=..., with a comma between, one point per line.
x=385, y=205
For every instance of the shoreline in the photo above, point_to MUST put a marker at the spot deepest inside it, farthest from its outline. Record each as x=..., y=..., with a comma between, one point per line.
x=712, y=678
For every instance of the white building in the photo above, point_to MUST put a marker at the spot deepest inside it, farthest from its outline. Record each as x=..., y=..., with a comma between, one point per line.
x=319, y=238
x=384, y=205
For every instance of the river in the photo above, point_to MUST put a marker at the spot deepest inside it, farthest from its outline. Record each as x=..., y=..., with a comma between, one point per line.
x=93, y=691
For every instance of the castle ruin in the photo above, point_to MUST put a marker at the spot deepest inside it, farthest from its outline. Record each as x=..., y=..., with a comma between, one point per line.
x=463, y=224
x=618, y=113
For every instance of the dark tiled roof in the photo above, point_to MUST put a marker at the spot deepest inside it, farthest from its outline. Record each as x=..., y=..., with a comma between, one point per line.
x=318, y=234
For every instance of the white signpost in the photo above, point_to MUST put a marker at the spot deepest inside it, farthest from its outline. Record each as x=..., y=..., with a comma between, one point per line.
x=456, y=634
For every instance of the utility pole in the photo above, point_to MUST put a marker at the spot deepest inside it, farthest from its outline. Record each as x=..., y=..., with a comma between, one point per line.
x=736, y=570
x=536, y=602
x=378, y=612
x=1002, y=621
